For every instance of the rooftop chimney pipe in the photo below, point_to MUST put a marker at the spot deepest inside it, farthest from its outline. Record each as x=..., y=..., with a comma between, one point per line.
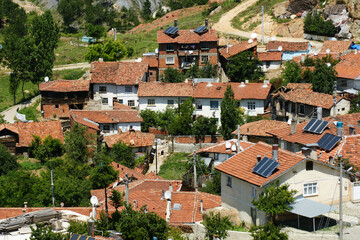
x=201, y=206
x=293, y=126
x=319, y=113
x=339, y=129
x=206, y=22
x=275, y=152
x=258, y=158
x=171, y=188
x=175, y=23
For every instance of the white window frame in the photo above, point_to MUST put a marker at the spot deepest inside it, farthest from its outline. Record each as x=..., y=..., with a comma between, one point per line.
x=251, y=105
x=102, y=91
x=310, y=189
x=214, y=102
x=204, y=58
x=169, y=61
x=229, y=181
x=253, y=191
x=170, y=102
x=128, y=89
x=131, y=103
x=151, y=102
x=105, y=101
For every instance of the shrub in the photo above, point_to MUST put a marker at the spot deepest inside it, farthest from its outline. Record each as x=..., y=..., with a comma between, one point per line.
x=7, y=160
x=215, y=225
x=77, y=227
x=267, y=232
x=315, y=24
x=43, y=150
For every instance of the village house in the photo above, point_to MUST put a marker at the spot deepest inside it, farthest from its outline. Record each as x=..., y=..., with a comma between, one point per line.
x=116, y=82
x=181, y=48
x=242, y=180
x=299, y=102
x=153, y=60
x=270, y=60
x=348, y=72
x=337, y=48
x=289, y=49
x=108, y=121
x=60, y=96
x=17, y=137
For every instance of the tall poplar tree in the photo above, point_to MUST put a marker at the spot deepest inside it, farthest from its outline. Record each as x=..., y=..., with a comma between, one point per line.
x=229, y=116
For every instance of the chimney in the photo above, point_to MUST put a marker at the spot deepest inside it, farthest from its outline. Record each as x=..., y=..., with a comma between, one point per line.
x=246, y=81
x=358, y=124
x=313, y=153
x=171, y=188
x=319, y=113
x=275, y=152
x=242, y=84
x=201, y=206
x=293, y=126
x=331, y=159
x=162, y=194
x=134, y=204
x=206, y=22
x=101, y=59
x=168, y=209
x=227, y=45
x=258, y=158
x=91, y=227
x=351, y=130
x=175, y=23
x=339, y=129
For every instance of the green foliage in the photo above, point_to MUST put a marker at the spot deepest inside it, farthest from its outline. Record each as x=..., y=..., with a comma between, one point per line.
x=229, y=113
x=43, y=150
x=323, y=79
x=149, y=119
x=268, y=232
x=291, y=73
x=173, y=76
x=69, y=74
x=209, y=9
x=70, y=10
x=176, y=234
x=27, y=165
x=275, y=199
x=76, y=143
x=78, y=227
x=95, y=31
x=355, y=105
x=182, y=124
x=7, y=160
x=175, y=166
x=204, y=126
x=31, y=112
x=116, y=198
x=110, y=51
x=215, y=225
x=208, y=71
x=179, y=4
x=146, y=12
x=315, y=24
x=123, y=154
x=244, y=66
x=42, y=232
x=214, y=185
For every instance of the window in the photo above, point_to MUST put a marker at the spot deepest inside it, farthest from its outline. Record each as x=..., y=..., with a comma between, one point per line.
x=251, y=105
x=229, y=181
x=170, y=60
x=151, y=102
x=343, y=83
x=293, y=107
x=214, y=104
x=128, y=88
x=205, y=45
x=102, y=89
x=315, y=112
x=310, y=189
x=204, y=59
x=106, y=128
x=151, y=73
x=169, y=47
x=170, y=102
x=131, y=103
x=267, y=64
x=198, y=105
x=309, y=166
x=216, y=156
x=253, y=191
x=120, y=101
x=301, y=109
x=57, y=106
x=105, y=101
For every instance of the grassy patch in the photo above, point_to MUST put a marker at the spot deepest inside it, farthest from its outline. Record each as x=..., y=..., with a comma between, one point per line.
x=225, y=7
x=69, y=74
x=67, y=53
x=175, y=166
x=27, y=165
x=31, y=112
x=6, y=99
x=140, y=42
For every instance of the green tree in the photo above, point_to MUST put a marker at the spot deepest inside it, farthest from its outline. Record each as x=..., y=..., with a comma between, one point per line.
x=173, y=76
x=43, y=150
x=193, y=71
x=208, y=71
x=123, y=154
x=215, y=225
x=315, y=24
x=291, y=73
x=324, y=77
x=355, y=105
x=229, y=116
x=78, y=227
x=204, y=126
x=116, y=199
x=275, y=199
x=95, y=31
x=268, y=232
x=102, y=175
x=76, y=144
x=7, y=160
x=146, y=12
x=70, y=10
x=42, y=232
x=149, y=119
x=214, y=185
x=244, y=66
x=109, y=51
x=182, y=124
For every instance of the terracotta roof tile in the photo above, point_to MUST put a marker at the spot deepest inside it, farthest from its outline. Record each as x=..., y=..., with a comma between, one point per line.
x=119, y=106
x=287, y=46
x=84, y=121
x=187, y=36
x=318, y=56
x=65, y=86
x=307, y=86
x=269, y=56
x=111, y=116
x=335, y=46
x=241, y=91
x=349, y=66
x=41, y=129
x=153, y=61
x=161, y=89
x=119, y=73
x=241, y=165
x=237, y=48
x=131, y=138
x=260, y=128
x=221, y=148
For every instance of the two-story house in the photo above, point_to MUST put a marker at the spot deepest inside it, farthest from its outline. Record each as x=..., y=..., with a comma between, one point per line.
x=181, y=48
x=117, y=82
x=289, y=49
x=348, y=72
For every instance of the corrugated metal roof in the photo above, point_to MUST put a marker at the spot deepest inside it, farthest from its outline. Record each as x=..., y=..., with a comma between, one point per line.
x=309, y=208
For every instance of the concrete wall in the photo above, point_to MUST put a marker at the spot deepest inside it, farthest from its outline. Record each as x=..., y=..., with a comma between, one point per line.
x=273, y=65
x=161, y=103
x=287, y=56
x=114, y=128
x=116, y=91
x=185, y=147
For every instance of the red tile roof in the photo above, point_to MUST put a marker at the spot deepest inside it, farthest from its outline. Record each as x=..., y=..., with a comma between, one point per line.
x=221, y=147
x=84, y=121
x=241, y=165
x=161, y=89
x=335, y=46
x=287, y=46
x=65, y=86
x=349, y=66
x=41, y=129
x=134, y=174
x=187, y=36
x=260, y=128
x=119, y=106
x=269, y=56
x=153, y=61
x=119, y=73
x=307, y=86
x=237, y=48
x=131, y=138
x=241, y=90
x=318, y=56
x=111, y=116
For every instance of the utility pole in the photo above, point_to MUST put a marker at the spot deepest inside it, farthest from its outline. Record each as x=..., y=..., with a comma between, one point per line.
x=340, y=203
x=335, y=87
x=238, y=138
x=156, y=143
x=52, y=189
x=127, y=188
x=195, y=176
x=114, y=29
x=262, y=25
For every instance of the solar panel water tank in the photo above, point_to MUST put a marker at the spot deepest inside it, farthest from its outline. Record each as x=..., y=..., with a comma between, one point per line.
x=200, y=29
x=265, y=167
x=316, y=126
x=328, y=141
x=171, y=30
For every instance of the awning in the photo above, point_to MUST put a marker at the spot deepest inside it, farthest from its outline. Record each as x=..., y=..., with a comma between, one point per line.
x=309, y=208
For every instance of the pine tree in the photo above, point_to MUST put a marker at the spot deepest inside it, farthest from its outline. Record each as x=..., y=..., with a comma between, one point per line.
x=229, y=113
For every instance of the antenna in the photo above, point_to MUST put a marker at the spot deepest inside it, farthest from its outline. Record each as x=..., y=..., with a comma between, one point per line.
x=280, y=48
x=94, y=201
x=168, y=195
x=46, y=79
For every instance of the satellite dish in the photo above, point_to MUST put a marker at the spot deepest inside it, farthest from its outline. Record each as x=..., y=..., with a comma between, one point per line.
x=233, y=148
x=94, y=200
x=138, y=60
x=250, y=41
x=328, y=64
x=156, y=50
x=280, y=48
x=315, y=53
x=273, y=38
x=46, y=79
x=327, y=51
x=289, y=121
x=253, y=35
x=168, y=194
x=228, y=145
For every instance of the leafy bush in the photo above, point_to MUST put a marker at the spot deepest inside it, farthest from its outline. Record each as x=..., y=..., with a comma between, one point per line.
x=30, y=165
x=123, y=154
x=209, y=9
x=78, y=227
x=315, y=24
x=215, y=225
x=43, y=150
x=267, y=232
x=214, y=185
x=7, y=160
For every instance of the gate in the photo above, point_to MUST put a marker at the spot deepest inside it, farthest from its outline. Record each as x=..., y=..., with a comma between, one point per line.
x=356, y=192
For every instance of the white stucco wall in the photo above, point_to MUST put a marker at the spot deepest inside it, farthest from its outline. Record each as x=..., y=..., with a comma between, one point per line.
x=273, y=65
x=206, y=110
x=116, y=91
x=114, y=128
x=259, y=106
x=342, y=107
x=161, y=103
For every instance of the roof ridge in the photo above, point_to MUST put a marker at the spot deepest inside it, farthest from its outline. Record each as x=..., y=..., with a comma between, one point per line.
x=205, y=195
